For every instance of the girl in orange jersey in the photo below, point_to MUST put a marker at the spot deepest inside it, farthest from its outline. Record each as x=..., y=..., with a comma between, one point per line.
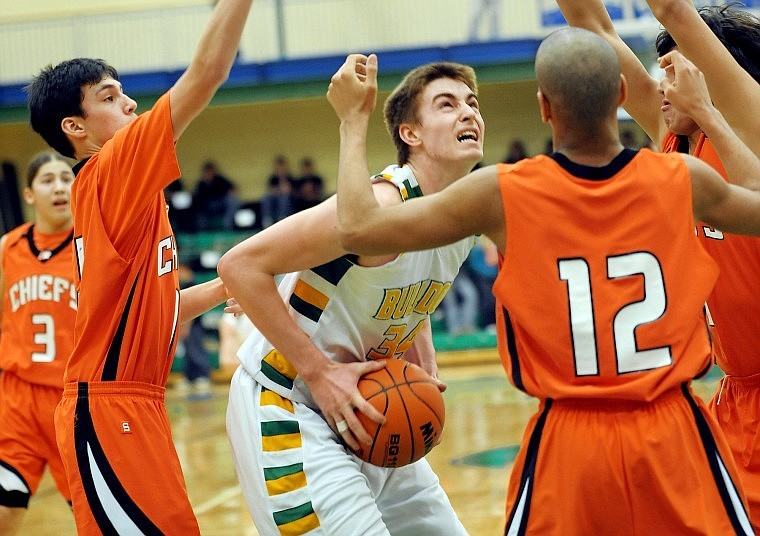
x=601, y=289
x=37, y=310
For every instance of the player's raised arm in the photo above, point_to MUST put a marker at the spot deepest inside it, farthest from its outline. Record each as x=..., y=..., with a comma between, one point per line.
x=643, y=102
x=725, y=206
x=353, y=95
x=211, y=63
x=462, y=209
x=684, y=86
x=732, y=88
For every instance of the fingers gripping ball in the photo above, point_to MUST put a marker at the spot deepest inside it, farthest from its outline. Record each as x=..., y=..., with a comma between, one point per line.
x=414, y=411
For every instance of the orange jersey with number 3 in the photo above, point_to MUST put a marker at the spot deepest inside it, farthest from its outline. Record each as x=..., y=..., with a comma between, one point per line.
x=735, y=302
x=39, y=305
x=126, y=256
x=603, y=282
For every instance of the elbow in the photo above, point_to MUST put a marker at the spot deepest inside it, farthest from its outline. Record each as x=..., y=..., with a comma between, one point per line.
x=347, y=237
x=666, y=11
x=208, y=75
x=225, y=268
x=353, y=240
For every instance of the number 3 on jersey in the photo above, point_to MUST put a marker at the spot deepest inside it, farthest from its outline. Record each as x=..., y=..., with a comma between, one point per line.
x=582, y=322
x=45, y=338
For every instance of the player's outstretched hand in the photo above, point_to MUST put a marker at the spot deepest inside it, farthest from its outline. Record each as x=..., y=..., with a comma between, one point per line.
x=684, y=86
x=232, y=307
x=353, y=88
x=335, y=392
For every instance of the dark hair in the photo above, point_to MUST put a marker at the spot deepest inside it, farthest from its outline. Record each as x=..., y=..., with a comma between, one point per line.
x=738, y=30
x=39, y=160
x=401, y=106
x=57, y=92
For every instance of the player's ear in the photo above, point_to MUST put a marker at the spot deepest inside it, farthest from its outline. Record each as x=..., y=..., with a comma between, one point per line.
x=623, y=89
x=544, y=107
x=28, y=195
x=73, y=126
x=409, y=135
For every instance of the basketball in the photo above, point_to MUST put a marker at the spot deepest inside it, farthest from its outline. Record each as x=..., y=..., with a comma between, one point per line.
x=414, y=410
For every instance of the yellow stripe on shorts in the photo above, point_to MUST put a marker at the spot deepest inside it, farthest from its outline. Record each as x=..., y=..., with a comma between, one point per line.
x=281, y=442
x=278, y=362
x=300, y=526
x=286, y=483
x=270, y=398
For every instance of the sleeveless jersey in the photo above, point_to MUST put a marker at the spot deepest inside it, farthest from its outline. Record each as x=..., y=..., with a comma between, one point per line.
x=734, y=304
x=603, y=282
x=353, y=312
x=126, y=256
x=39, y=305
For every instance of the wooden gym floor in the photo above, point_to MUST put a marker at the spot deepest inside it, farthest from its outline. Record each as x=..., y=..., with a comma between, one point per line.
x=485, y=417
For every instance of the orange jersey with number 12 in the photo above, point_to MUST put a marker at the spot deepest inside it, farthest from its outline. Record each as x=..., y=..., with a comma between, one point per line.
x=603, y=282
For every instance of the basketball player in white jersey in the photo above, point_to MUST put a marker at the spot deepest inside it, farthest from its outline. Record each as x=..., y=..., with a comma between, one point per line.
x=335, y=317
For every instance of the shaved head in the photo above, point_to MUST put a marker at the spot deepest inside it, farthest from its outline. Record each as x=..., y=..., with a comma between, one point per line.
x=579, y=74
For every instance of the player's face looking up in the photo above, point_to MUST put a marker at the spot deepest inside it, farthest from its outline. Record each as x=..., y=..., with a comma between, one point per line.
x=678, y=123
x=449, y=125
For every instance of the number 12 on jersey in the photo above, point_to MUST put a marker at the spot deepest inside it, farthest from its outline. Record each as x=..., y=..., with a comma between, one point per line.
x=629, y=358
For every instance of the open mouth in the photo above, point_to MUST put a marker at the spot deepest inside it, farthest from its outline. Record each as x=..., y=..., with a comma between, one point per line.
x=468, y=135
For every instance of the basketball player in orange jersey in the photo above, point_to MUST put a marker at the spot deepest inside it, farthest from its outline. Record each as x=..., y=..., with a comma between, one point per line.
x=733, y=84
x=112, y=428
x=336, y=316
x=601, y=288
x=724, y=36
x=37, y=310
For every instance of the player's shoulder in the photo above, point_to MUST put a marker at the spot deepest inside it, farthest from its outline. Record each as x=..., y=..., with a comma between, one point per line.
x=386, y=193
x=15, y=233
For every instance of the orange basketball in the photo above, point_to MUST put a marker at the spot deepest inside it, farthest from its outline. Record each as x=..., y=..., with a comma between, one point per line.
x=414, y=411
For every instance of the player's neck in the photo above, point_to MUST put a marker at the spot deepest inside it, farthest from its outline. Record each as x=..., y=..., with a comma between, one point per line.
x=595, y=149
x=434, y=176
x=51, y=227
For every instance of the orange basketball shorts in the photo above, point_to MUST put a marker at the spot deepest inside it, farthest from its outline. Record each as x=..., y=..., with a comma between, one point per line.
x=625, y=468
x=27, y=440
x=123, y=470
x=736, y=406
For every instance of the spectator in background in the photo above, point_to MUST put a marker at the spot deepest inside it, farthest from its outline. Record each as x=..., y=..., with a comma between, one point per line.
x=180, y=203
x=482, y=266
x=215, y=195
x=278, y=202
x=628, y=139
x=197, y=367
x=460, y=305
x=310, y=191
x=516, y=152
x=233, y=330
x=481, y=11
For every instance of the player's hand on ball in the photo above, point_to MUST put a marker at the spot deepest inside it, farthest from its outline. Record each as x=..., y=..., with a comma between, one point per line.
x=335, y=392
x=353, y=88
x=429, y=365
x=415, y=411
